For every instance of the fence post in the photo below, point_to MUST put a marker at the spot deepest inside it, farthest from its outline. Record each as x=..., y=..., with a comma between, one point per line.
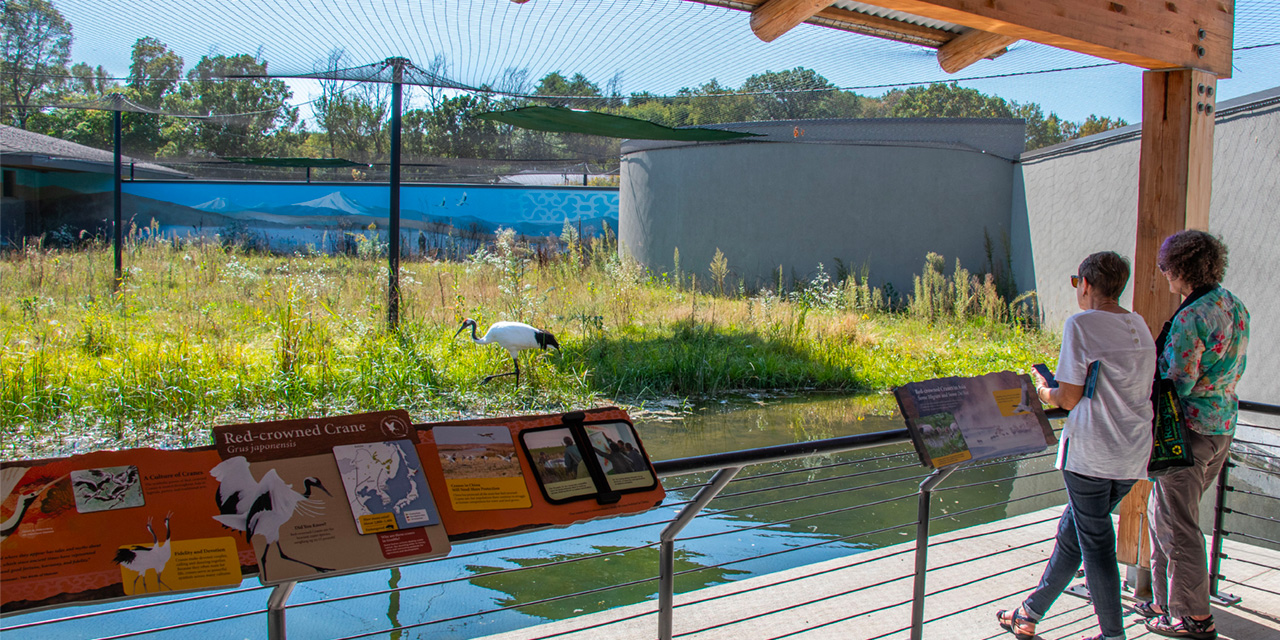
x=275, y=610
x=1215, y=549
x=922, y=547
x=667, y=549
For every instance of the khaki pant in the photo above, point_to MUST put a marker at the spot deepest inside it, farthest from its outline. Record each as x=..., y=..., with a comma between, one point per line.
x=1179, y=573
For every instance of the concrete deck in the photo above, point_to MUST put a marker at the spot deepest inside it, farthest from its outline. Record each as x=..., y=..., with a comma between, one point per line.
x=867, y=596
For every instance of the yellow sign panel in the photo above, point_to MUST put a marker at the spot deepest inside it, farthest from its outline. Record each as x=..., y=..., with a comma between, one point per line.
x=378, y=522
x=479, y=494
x=180, y=565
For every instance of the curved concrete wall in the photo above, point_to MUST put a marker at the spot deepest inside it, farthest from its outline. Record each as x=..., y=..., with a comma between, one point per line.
x=766, y=204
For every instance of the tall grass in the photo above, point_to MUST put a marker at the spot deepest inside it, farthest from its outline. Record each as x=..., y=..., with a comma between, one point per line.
x=203, y=334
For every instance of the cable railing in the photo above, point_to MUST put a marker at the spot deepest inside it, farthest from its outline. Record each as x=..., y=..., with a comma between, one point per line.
x=821, y=504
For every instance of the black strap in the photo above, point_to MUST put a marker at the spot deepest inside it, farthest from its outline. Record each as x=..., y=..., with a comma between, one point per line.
x=1196, y=294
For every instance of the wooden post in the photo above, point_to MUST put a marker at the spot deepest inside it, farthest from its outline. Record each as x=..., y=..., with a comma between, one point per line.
x=1174, y=177
x=1175, y=173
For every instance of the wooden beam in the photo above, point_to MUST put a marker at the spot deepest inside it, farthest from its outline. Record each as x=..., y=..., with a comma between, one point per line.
x=1175, y=173
x=970, y=47
x=776, y=17
x=1153, y=34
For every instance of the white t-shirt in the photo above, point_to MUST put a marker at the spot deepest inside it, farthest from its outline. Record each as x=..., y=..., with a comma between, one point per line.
x=1108, y=435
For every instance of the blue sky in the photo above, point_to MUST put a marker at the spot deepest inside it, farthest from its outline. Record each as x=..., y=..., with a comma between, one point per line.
x=657, y=46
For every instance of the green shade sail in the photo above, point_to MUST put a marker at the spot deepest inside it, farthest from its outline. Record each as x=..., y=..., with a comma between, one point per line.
x=296, y=162
x=564, y=120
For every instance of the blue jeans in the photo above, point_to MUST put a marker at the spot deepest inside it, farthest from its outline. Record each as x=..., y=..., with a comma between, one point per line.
x=1085, y=532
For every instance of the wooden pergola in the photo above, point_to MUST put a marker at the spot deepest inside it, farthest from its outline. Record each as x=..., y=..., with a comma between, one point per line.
x=1184, y=45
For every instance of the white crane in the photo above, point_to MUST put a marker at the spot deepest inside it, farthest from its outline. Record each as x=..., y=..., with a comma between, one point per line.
x=512, y=336
x=261, y=507
x=140, y=558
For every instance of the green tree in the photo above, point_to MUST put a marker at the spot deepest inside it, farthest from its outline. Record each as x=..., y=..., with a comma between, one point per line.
x=1094, y=124
x=154, y=71
x=353, y=118
x=256, y=119
x=37, y=47
x=452, y=130
x=90, y=81
x=1042, y=131
x=554, y=84
x=949, y=100
x=789, y=95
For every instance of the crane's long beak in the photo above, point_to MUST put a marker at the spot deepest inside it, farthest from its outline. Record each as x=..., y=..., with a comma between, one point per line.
x=460, y=330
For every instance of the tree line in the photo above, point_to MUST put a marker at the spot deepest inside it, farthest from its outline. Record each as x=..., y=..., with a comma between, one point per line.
x=351, y=120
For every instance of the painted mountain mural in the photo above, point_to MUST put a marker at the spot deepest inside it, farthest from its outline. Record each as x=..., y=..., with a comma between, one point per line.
x=538, y=211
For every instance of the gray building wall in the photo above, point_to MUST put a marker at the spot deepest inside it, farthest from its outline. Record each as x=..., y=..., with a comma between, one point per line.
x=847, y=194
x=1082, y=197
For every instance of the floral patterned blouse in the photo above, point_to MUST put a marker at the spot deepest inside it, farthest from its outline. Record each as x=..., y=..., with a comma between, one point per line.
x=1204, y=357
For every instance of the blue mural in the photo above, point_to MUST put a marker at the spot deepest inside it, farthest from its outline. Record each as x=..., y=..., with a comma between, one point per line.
x=318, y=215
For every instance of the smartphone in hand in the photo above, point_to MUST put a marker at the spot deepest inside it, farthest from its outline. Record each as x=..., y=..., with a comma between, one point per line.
x=1046, y=374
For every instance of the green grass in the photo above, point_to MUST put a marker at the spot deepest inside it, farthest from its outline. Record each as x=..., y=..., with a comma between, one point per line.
x=203, y=335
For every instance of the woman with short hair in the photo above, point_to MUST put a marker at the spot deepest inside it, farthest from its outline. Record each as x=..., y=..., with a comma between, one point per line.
x=1105, y=370
x=1203, y=354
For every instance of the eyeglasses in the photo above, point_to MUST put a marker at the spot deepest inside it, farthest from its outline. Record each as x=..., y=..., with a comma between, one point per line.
x=1075, y=281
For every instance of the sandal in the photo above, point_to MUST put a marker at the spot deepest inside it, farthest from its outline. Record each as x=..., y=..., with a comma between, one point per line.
x=1022, y=627
x=1147, y=610
x=1185, y=627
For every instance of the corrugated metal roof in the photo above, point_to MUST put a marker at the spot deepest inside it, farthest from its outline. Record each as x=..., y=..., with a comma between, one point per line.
x=880, y=12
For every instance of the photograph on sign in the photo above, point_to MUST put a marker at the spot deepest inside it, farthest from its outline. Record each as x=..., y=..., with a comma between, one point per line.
x=481, y=468
x=562, y=471
x=618, y=450
x=107, y=488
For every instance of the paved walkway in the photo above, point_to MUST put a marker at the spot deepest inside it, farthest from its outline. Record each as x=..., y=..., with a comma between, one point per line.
x=867, y=596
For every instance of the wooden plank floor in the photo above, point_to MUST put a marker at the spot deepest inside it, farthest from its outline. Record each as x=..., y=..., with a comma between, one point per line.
x=867, y=596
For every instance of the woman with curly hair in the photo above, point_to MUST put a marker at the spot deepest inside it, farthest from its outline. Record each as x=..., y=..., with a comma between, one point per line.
x=1202, y=351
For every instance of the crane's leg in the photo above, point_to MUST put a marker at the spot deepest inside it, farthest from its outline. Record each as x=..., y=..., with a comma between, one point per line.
x=283, y=556
x=515, y=373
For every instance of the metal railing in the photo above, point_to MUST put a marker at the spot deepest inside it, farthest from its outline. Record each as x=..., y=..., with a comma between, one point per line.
x=834, y=479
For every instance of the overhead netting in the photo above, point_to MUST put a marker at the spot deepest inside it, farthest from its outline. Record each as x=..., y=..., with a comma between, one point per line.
x=309, y=78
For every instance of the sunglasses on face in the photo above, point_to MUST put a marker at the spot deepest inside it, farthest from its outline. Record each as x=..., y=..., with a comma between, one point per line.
x=1075, y=281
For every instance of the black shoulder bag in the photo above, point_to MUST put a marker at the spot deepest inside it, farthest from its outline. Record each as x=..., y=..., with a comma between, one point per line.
x=1170, y=442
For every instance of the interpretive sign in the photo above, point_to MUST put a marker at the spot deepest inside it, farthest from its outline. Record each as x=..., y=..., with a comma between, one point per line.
x=112, y=524
x=954, y=420
x=281, y=485
x=301, y=499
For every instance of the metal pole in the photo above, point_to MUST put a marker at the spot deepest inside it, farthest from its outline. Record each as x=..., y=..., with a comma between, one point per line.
x=667, y=550
x=393, y=248
x=275, y=610
x=922, y=547
x=1215, y=549
x=119, y=232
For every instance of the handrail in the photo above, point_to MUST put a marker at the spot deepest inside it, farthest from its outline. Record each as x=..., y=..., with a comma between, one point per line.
x=778, y=453
x=1260, y=407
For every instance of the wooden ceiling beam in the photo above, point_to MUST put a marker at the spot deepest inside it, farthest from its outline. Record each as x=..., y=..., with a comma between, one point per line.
x=776, y=17
x=1152, y=34
x=970, y=47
